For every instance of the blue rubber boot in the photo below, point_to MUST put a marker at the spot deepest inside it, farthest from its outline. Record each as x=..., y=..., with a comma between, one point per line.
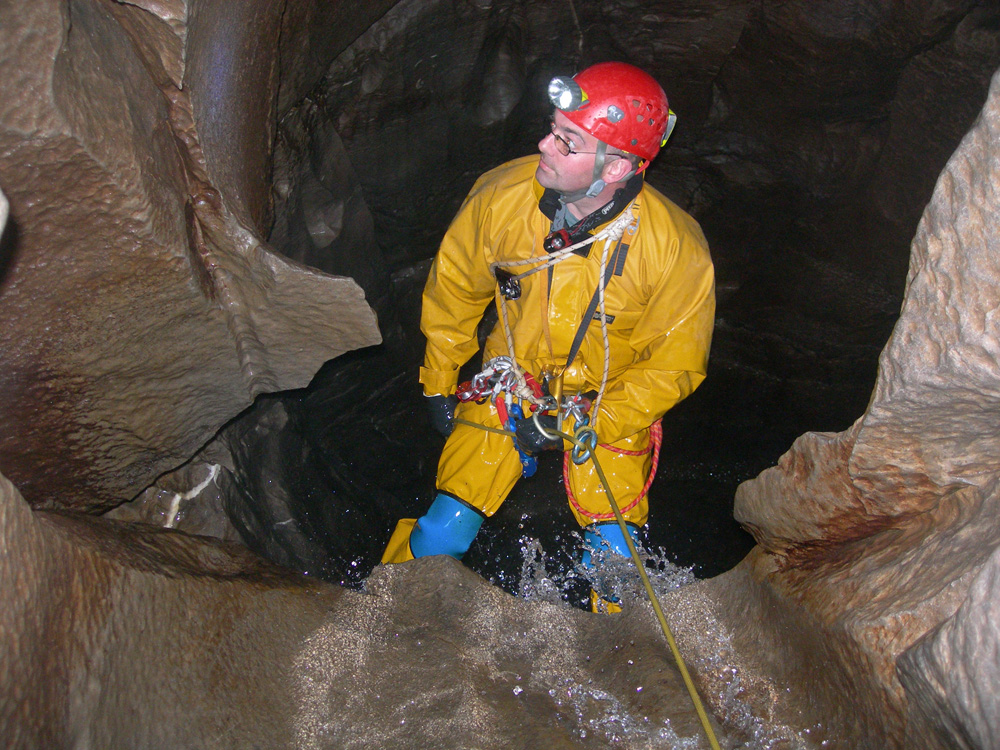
x=448, y=528
x=600, y=539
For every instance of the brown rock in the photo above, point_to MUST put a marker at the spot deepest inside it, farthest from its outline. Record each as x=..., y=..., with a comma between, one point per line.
x=145, y=311
x=950, y=675
x=121, y=635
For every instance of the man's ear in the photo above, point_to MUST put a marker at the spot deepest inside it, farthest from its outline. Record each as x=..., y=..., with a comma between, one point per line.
x=616, y=170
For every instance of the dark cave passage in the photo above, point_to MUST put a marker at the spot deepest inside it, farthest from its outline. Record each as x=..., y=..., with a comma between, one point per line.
x=357, y=452
x=805, y=183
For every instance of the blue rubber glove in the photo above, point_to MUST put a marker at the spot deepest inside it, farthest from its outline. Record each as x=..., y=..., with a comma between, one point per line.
x=441, y=411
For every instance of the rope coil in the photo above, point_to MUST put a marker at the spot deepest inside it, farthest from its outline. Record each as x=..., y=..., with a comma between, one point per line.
x=655, y=441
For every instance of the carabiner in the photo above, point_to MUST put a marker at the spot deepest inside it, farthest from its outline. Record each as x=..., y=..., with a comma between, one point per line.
x=588, y=436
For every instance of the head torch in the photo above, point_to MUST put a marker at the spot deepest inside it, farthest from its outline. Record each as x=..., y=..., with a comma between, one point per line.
x=566, y=94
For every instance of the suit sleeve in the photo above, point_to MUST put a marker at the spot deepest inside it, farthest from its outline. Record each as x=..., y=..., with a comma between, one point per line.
x=459, y=287
x=671, y=338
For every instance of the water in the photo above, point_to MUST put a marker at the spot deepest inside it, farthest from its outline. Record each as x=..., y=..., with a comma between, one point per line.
x=494, y=652
x=614, y=575
x=535, y=659
x=603, y=713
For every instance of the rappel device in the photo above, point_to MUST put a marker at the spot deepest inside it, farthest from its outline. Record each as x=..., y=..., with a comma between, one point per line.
x=529, y=464
x=508, y=284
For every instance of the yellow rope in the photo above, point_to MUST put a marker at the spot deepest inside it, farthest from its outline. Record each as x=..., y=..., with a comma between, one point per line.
x=695, y=698
x=508, y=433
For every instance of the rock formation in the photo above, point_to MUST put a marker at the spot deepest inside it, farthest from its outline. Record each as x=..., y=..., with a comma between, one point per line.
x=119, y=635
x=142, y=308
x=866, y=605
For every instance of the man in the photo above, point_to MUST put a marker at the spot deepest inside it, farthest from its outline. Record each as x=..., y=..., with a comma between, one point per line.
x=605, y=291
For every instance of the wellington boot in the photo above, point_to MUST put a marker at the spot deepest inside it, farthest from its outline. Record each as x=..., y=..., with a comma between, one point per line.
x=398, y=548
x=602, y=605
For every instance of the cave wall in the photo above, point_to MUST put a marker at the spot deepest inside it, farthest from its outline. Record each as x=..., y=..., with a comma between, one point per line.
x=118, y=635
x=810, y=138
x=133, y=251
x=880, y=542
x=144, y=308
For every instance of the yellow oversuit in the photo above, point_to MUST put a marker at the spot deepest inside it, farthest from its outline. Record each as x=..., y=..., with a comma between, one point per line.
x=659, y=308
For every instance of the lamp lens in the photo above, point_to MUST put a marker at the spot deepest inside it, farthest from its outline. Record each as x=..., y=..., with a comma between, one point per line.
x=564, y=93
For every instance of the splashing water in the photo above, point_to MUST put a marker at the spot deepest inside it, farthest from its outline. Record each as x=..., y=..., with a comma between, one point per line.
x=613, y=574
x=543, y=578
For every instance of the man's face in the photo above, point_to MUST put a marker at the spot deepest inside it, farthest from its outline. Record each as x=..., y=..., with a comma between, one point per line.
x=571, y=172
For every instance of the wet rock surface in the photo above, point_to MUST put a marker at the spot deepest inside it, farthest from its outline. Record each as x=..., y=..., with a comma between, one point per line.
x=486, y=670
x=949, y=675
x=143, y=309
x=120, y=635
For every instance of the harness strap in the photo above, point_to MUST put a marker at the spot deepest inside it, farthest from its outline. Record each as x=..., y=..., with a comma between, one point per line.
x=616, y=263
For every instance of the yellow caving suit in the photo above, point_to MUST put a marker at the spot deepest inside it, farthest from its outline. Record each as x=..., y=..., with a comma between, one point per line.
x=659, y=308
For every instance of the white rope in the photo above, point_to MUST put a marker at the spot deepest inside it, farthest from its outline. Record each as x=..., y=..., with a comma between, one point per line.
x=611, y=233
x=595, y=411
x=175, y=501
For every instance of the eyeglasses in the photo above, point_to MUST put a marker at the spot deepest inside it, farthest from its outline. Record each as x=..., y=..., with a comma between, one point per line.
x=565, y=148
x=562, y=145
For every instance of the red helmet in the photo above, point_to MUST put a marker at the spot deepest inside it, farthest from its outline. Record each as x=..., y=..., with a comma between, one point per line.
x=616, y=103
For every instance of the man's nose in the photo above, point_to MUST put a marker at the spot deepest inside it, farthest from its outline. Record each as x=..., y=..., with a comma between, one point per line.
x=542, y=143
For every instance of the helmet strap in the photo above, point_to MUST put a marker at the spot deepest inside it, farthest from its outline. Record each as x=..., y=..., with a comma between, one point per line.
x=600, y=158
x=553, y=206
x=597, y=184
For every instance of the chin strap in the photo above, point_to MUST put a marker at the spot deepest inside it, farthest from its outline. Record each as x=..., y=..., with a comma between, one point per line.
x=597, y=184
x=600, y=157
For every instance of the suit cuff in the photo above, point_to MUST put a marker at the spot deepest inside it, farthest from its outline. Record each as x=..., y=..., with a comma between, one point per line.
x=438, y=382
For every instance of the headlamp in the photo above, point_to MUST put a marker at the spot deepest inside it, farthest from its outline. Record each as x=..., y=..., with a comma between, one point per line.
x=565, y=93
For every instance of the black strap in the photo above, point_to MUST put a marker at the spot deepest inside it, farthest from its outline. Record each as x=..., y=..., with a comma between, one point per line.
x=549, y=204
x=615, y=266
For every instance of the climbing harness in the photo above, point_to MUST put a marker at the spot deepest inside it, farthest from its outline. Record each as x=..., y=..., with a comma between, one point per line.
x=503, y=376
x=509, y=387
x=516, y=393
